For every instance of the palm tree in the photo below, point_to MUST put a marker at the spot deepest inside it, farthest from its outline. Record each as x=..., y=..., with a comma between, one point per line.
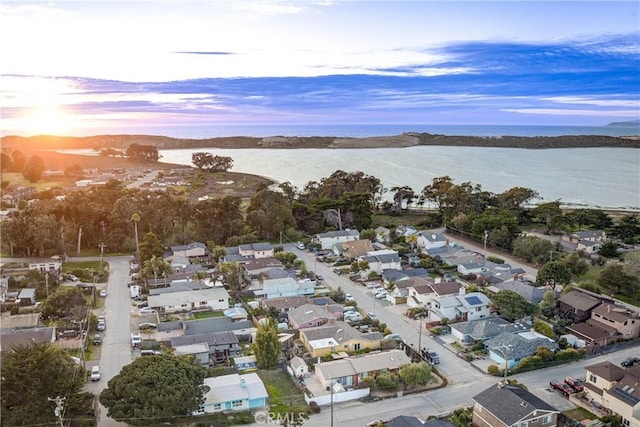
x=135, y=218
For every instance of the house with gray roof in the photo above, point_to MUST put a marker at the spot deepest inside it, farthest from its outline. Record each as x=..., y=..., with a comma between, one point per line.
x=27, y=296
x=511, y=348
x=241, y=328
x=220, y=346
x=10, y=338
x=484, y=329
x=382, y=261
x=588, y=241
x=216, y=298
x=350, y=371
x=533, y=294
x=194, y=249
x=510, y=406
x=233, y=392
x=309, y=315
x=335, y=336
x=430, y=240
x=257, y=250
x=461, y=307
x=284, y=304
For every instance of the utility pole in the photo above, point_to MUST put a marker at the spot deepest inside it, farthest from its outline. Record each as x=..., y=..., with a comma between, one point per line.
x=102, y=246
x=420, y=337
x=486, y=234
x=46, y=283
x=59, y=408
x=79, y=239
x=331, y=386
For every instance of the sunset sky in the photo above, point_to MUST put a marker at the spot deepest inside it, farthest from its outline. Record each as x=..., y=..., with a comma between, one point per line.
x=86, y=67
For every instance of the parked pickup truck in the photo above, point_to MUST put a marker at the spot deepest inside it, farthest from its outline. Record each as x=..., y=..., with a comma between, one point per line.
x=561, y=387
x=575, y=384
x=431, y=356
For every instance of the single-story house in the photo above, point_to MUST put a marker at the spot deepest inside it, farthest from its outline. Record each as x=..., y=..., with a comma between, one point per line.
x=533, y=294
x=483, y=329
x=46, y=266
x=283, y=287
x=513, y=347
x=195, y=249
x=234, y=392
x=337, y=336
x=213, y=298
x=594, y=334
x=284, y=304
x=255, y=267
x=10, y=338
x=309, y=315
x=27, y=296
x=299, y=367
x=241, y=328
x=351, y=370
x=356, y=248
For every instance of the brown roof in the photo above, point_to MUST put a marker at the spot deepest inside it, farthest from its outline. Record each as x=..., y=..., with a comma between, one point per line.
x=411, y=282
x=260, y=263
x=607, y=370
x=424, y=288
x=617, y=313
x=284, y=302
x=579, y=300
x=596, y=323
x=356, y=248
x=446, y=288
x=588, y=331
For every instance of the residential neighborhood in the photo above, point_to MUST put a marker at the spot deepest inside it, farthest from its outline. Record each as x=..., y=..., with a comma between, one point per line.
x=348, y=316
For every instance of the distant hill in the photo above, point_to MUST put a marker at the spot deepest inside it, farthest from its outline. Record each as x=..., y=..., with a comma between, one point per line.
x=49, y=142
x=630, y=123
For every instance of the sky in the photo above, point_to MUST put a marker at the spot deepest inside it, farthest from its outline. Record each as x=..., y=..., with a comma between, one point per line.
x=88, y=67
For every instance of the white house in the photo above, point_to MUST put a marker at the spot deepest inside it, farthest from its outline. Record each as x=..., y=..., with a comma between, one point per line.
x=215, y=298
x=461, y=307
x=257, y=250
x=284, y=287
x=234, y=392
x=382, y=260
x=428, y=240
x=46, y=266
x=330, y=239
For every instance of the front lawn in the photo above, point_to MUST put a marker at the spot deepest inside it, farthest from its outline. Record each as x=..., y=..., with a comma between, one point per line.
x=284, y=396
x=207, y=314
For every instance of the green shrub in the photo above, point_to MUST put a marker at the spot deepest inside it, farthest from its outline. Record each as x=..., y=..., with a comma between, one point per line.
x=495, y=259
x=315, y=408
x=494, y=370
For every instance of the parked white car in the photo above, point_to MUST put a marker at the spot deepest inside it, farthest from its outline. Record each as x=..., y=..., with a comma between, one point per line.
x=381, y=295
x=146, y=310
x=349, y=297
x=95, y=373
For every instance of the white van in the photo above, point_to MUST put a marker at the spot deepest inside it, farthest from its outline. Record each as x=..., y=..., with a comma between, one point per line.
x=95, y=373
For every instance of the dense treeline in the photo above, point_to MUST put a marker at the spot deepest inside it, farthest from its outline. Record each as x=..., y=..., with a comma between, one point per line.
x=82, y=219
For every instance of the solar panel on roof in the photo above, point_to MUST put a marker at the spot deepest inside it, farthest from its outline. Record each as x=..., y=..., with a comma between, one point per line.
x=623, y=395
x=473, y=300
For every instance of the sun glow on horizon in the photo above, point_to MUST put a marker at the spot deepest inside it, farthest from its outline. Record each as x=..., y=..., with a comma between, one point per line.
x=47, y=121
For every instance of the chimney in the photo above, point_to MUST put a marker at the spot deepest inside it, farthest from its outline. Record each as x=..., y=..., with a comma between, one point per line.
x=243, y=384
x=608, y=308
x=326, y=307
x=463, y=290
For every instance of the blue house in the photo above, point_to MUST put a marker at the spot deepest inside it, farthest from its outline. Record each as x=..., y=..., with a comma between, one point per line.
x=234, y=393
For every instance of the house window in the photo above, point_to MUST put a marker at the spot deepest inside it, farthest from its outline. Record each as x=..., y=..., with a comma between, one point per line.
x=184, y=305
x=236, y=403
x=547, y=419
x=356, y=346
x=221, y=300
x=346, y=346
x=625, y=422
x=478, y=308
x=523, y=424
x=217, y=407
x=203, y=303
x=592, y=378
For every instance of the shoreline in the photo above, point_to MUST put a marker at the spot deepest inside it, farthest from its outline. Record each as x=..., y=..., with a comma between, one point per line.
x=408, y=139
